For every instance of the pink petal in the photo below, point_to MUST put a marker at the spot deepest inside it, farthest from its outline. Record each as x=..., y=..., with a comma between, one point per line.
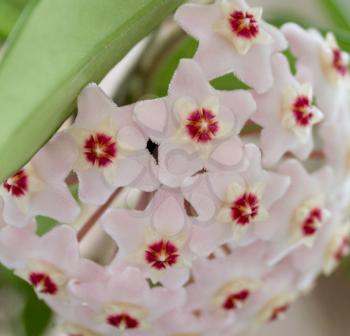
x=93, y=106
x=152, y=116
x=175, y=277
x=93, y=188
x=131, y=137
x=205, y=239
x=56, y=159
x=59, y=246
x=197, y=20
x=125, y=227
x=229, y=153
x=176, y=163
x=189, y=81
x=241, y=103
x=169, y=217
x=50, y=202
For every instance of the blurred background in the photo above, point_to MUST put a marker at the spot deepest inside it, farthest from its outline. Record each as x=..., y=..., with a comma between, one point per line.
x=146, y=71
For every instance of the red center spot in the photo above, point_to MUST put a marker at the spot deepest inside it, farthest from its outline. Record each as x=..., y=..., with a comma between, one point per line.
x=17, y=185
x=236, y=300
x=279, y=312
x=339, y=64
x=162, y=254
x=100, y=149
x=43, y=283
x=244, y=24
x=123, y=321
x=245, y=209
x=302, y=111
x=202, y=125
x=343, y=250
x=310, y=224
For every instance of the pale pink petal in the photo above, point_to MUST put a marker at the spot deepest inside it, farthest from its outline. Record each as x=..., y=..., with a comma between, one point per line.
x=169, y=217
x=127, y=171
x=196, y=19
x=125, y=227
x=93, y=188
x=176, y=163
x=50, y=202
x=205, y=239
x=93, y=106
x=189, y=80
x=229, y=153
x=15, y=244
x=241, y=103
x=56, y=159
x=59, y=246
x=162, y=301
x=131, y=138
x=175, y=277
x=152, y=116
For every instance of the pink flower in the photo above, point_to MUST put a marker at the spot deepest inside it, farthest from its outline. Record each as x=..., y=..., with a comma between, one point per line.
x=223, y=286
x=155, y=240
x=233, y=207
x=76, y=319
x=111, y=149
x=286, y=114
x=272, y=301
x=296, y=218
x=49, y=263
x=39, y=187
x=196, y=126
x=321, y=62
x=331, y=246
x=233, y=38
x=124, y=301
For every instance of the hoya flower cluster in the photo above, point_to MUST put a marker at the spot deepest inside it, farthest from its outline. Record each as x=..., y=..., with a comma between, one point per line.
x=239, y=223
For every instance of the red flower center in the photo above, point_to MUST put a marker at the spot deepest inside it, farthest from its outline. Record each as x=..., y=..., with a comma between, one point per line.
x=245, y=208
x=17, y=185
x=279, y=312
x=244, y=24
x=311, y=223
x=339, y=64
x=302, y=111
x=43, y=283
x=202, y=125
x=123, y=321
x=343, y=250
x=162, y=254
x=236, y=300
x=100, y=149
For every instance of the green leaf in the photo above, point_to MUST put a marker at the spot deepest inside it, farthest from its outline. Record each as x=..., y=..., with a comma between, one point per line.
x=10, y=10
x=59, y=48
x=35, y=316
x=337, y=12
x=45, y=224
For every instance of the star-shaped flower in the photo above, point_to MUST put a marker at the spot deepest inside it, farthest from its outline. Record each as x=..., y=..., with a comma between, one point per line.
x=39, y=188
x=196, y=125
x=320, y=62
x=125, y=302
x=233, y=207
x=296, y=218
x=223, y=286
x=155, y=240
x=331, y=246
x=286, y=114
x=272, y=300
x=233, y=38
x=111, y=148
x=49, y=263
